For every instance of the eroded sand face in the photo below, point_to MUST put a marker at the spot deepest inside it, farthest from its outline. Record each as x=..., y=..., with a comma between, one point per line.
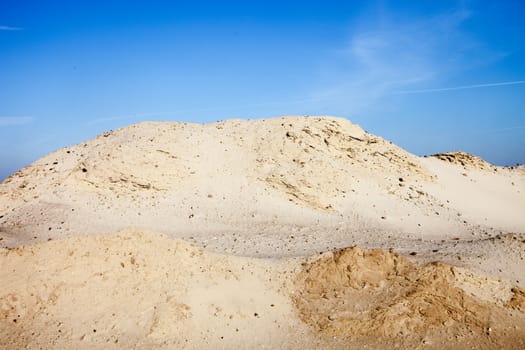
x=231, y=219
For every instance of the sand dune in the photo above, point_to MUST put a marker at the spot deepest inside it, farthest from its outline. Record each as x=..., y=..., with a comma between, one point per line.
x=228, y=222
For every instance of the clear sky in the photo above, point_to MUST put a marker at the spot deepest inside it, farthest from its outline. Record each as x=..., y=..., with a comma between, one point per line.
x=431, y=76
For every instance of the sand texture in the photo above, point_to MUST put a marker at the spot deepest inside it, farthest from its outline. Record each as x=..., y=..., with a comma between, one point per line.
x=291, y=232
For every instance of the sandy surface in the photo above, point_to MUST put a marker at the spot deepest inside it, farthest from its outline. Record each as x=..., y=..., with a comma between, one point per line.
x=235, y=234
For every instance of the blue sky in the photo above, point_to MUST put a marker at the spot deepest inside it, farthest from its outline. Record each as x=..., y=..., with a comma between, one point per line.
x=431, y=76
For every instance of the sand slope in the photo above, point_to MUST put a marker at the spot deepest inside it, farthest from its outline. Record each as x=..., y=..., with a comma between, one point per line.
x=263, y=198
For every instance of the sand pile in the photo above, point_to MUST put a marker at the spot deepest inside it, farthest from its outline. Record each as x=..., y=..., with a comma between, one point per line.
x=352, y=292
x=232, y=222
x=137, y=289
x=214, y=174
x=305, y=178
x=465, y=159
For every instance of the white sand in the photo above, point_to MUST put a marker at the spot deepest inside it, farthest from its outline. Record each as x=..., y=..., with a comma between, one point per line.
x=282, y=189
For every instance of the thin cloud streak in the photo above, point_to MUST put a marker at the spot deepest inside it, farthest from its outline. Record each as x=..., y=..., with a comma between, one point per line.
x=464, y=87
x=10, y=28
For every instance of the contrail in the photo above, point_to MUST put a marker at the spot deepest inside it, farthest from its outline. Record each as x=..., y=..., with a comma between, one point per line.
x=461, y=87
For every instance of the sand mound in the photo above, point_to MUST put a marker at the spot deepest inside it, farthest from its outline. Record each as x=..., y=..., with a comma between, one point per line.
x=144, y=159
x=139, y=289
x=354, y=292
x=464, y=159
x=282, y=189
x=320, y=181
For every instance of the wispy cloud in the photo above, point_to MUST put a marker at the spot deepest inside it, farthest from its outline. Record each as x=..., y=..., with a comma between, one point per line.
x=384, y=56
x=464, y=87
x=10, y=28
x=10, y=121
